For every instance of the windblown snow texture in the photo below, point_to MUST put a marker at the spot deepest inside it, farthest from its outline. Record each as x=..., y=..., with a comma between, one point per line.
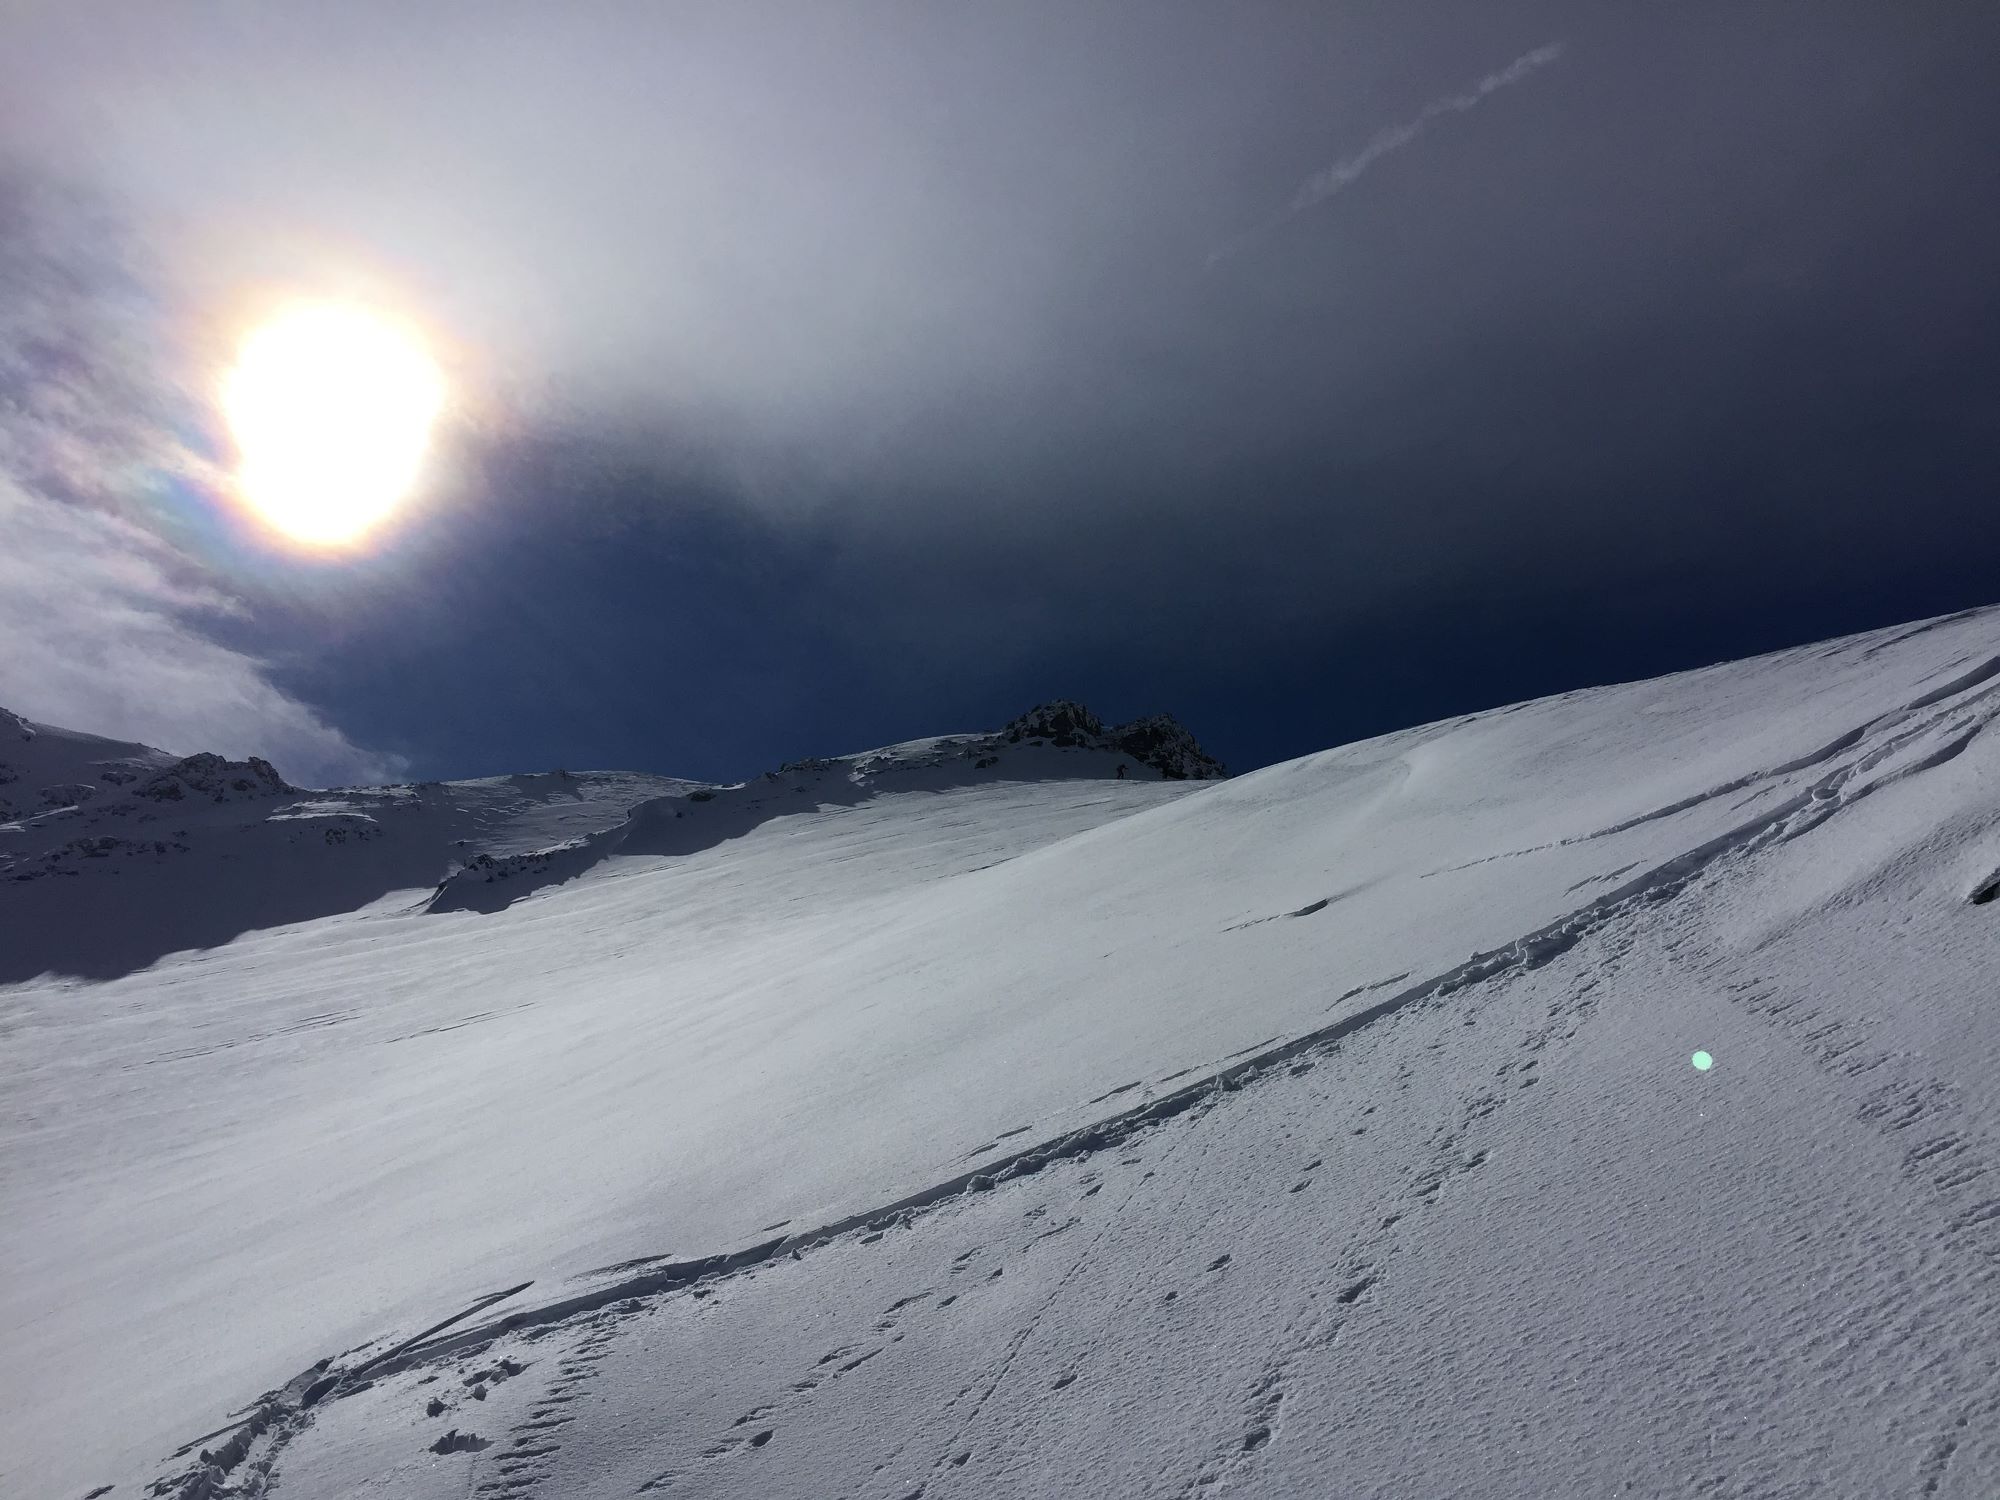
x=1025, y=1130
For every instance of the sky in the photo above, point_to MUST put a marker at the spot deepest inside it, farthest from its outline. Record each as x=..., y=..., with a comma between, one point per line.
x=827, y=375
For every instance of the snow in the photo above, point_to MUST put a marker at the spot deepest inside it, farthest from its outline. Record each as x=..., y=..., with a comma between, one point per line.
x=1327, y=1130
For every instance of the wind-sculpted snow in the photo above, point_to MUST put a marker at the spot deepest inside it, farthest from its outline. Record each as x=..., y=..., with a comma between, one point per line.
x=1326, y=1131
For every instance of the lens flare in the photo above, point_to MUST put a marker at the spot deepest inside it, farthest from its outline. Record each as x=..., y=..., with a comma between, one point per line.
x=331, y=408
x=1702, y=1062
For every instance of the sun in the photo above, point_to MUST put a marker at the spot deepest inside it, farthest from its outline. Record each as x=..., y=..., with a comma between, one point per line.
x=331, y=408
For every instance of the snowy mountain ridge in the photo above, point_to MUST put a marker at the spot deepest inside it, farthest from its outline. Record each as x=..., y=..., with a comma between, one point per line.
x=1055, y=741
x=83, y=805
x=1329, y=1129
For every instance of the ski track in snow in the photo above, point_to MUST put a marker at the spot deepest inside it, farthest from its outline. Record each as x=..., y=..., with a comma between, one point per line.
x=1033, y=1295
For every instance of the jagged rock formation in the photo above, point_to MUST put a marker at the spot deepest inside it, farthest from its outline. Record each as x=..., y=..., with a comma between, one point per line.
x=217, y=779
x=1159, y=741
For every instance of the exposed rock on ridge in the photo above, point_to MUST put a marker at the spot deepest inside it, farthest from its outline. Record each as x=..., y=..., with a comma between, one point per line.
x=1159, y=741
x=218, y=779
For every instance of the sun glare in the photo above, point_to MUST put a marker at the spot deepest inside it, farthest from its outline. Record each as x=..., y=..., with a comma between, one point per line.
x=331, y=409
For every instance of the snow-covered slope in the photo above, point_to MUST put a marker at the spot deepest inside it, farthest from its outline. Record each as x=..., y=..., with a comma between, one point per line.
x=1328, y=1130
x=142, y=1113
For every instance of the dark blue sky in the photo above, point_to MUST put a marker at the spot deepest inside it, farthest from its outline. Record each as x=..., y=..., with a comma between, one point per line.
x=843, y=383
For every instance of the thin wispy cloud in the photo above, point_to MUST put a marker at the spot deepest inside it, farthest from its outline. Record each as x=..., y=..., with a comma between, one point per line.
x=1343, y=174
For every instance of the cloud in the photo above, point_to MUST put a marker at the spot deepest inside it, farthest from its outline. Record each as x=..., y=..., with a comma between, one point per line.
x=103, y=629
x=109, y=628
x=816, y=336
x=1323, y=184
x=1344, y=173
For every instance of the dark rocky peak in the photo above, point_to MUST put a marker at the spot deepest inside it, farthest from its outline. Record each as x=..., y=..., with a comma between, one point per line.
x=1060, y=722
x=211, y=777
x=1163, y=742
x=1159, y=741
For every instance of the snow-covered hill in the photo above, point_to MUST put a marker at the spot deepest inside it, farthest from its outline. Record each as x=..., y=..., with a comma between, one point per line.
x=1000, y=1130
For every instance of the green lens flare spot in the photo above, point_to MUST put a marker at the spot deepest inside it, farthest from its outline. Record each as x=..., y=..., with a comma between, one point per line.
x=1702, y=1062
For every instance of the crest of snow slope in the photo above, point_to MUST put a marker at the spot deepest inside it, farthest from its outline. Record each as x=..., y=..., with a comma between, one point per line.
x=1462, y=968
x=1057, y=741
x=43, y=768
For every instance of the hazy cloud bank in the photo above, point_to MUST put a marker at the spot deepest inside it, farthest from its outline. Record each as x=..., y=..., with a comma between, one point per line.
x=105, y=626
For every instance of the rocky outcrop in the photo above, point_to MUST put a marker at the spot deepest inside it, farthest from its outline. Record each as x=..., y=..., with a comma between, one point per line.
x=1160, y=741
x=211, y=778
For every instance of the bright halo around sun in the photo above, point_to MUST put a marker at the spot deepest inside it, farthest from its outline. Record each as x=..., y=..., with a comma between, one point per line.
x=331, y=408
